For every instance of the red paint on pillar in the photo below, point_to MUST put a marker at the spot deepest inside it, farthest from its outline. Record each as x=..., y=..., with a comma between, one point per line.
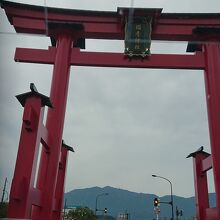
x=21, y=194
x=60, y=184
x=201, y=187
x=212, y=82
x=55, y=122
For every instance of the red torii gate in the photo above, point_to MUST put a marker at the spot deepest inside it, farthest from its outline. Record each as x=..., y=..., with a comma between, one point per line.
x=68, y=30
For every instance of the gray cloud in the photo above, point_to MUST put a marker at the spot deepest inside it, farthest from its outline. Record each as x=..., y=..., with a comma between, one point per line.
x=141, y=120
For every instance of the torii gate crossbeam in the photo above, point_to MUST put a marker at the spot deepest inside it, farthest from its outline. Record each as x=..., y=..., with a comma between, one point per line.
x=79, y=58
x=68, y=30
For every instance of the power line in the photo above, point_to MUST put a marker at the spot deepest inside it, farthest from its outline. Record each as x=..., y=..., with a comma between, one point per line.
x=21, y=34
x=4, y=32
x=130, y=16
x=46, y=16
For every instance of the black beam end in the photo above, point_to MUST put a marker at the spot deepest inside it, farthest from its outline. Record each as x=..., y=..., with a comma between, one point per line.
x=199, y=151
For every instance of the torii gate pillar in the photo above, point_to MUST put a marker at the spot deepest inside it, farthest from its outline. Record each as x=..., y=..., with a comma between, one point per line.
x=51, y=175
x=48, y=180
x=212, y=82
x=23, y=194
x=203, y=162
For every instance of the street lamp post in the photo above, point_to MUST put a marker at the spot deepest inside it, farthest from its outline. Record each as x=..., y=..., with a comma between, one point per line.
x=171, y=193
x=96, y=200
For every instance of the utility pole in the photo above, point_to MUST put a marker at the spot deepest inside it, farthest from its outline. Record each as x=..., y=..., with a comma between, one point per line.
x=4, y=190
x=64, y=210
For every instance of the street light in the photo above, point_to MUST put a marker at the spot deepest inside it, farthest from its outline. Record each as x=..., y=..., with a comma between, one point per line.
x=96, y=200
x=171, y=192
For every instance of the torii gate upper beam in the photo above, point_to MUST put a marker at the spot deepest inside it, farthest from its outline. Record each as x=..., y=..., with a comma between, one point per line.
x=107, y=25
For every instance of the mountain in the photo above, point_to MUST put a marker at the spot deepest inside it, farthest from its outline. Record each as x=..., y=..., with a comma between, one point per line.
x=138, y=205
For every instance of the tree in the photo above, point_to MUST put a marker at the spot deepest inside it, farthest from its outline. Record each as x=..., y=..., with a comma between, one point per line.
x=83, y=213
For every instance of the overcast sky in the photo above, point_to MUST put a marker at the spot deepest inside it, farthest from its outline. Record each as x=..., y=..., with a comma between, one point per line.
x=124, y=124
